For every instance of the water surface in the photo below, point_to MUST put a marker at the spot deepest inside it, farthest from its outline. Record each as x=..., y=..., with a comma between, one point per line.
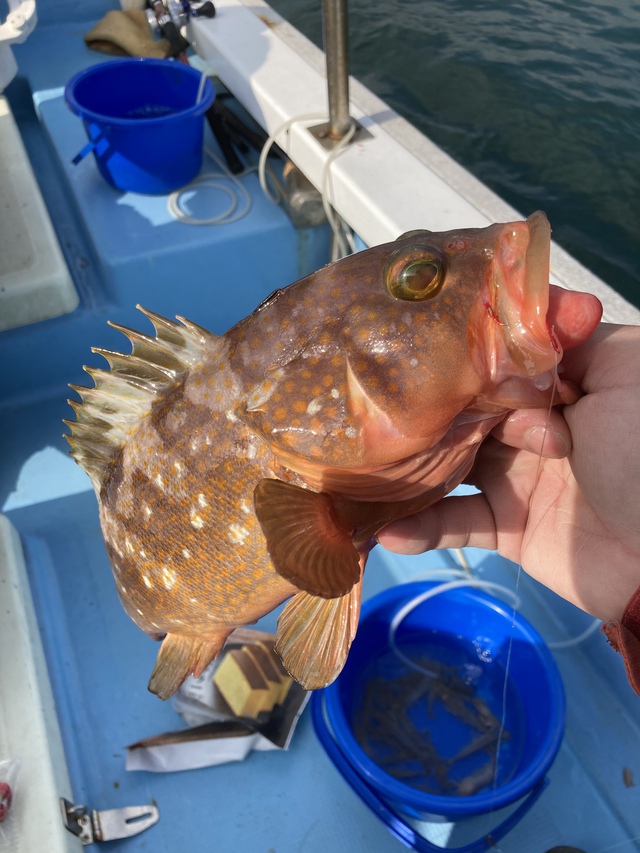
x=540, y=99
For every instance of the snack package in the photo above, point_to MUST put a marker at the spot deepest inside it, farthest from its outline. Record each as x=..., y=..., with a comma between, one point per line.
x=243, y=701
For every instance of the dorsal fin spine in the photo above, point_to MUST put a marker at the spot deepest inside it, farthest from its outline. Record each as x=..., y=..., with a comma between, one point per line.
x=131, y=367
x=123, y=395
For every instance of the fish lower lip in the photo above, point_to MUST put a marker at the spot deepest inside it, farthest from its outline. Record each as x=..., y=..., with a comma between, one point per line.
x=536, y=277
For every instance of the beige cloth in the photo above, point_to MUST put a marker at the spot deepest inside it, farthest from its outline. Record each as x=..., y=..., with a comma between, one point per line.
x=126, y=34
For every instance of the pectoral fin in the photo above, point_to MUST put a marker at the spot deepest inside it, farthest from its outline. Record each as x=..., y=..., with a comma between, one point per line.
x=314, y=635
x=180, y=657
x=305, y=542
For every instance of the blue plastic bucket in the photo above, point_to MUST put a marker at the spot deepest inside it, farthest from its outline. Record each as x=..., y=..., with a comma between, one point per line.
x=145, y=121
x=470, y=633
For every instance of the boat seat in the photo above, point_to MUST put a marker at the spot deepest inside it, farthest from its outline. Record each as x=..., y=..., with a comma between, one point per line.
x=35, y=283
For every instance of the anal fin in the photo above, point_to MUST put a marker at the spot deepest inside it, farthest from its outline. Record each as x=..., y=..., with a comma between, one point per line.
x=180, y=657
x=314, y=635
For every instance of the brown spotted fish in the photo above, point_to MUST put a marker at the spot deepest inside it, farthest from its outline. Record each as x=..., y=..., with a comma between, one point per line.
x=236, y=472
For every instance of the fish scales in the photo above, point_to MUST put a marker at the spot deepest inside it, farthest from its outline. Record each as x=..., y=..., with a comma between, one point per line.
x=181, y=476
x=235, y=473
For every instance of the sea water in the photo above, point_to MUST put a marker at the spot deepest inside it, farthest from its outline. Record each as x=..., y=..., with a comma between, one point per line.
x=540, y=99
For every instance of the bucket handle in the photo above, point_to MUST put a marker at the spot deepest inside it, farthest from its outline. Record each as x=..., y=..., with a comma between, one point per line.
x=88, y=148
x=397, y=825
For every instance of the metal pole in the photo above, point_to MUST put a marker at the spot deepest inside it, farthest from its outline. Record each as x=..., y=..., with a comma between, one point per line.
x=336, y=50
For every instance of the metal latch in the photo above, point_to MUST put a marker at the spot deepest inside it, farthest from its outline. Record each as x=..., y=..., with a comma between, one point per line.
x=108, y=825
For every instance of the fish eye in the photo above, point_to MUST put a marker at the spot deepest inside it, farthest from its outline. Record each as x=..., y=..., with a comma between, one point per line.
x=414, y=273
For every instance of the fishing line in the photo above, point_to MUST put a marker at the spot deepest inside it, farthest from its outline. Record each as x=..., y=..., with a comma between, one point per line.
x=344, y=243
x=285, y=127
x=240, y=201
x=462, y=560
x=406, y=609
x=574, y=641
x=536, y=480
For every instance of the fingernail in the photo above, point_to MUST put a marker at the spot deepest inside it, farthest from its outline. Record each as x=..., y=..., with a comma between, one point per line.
x=546, y=442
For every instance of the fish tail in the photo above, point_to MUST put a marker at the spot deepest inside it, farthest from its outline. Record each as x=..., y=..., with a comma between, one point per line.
x=180, y=657
x=110, y=411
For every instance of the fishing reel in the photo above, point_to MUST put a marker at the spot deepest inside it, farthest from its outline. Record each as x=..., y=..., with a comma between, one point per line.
x=167, y=17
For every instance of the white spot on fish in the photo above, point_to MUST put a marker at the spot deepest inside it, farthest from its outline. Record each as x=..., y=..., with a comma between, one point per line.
x=128, y=545
x=148, y=511
x=231, y=416
x=197, y=521
x=414, y=362
x=194, y=446
x=245, y=506
x=193, y=600
x=160, y=482
x=178, y=466
x=202, y=500
x=335, y=393
x=143, y=553
x=147, y=582
x=139, y=611
x=314, y=406
x=186, y=553
x=238, y=533
x=123, y=588
x=251, y=451
x=351, y=432
x=168, y=577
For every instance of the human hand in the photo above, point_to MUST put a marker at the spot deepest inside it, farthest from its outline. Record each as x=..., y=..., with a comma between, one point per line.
x=566, y=508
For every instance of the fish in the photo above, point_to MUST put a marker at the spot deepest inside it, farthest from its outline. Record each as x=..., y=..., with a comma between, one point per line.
x=482, y=777
x=237, y=472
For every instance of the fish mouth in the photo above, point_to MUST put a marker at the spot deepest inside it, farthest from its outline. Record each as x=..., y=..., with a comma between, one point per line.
x=519, y=294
